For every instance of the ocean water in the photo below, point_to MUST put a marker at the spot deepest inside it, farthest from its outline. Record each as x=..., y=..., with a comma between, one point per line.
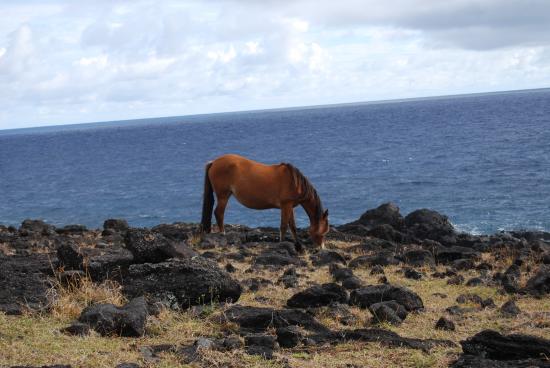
x=483, y=160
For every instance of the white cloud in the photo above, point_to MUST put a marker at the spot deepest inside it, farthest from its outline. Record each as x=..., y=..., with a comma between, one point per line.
x=67, y=62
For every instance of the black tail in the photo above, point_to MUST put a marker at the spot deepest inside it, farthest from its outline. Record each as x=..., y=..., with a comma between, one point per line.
x=207, y=202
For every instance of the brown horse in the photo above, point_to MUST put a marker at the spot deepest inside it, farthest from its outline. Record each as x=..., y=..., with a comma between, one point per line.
x=259, y=187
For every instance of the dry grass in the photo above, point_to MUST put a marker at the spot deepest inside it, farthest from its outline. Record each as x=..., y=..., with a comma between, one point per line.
x=36, y=340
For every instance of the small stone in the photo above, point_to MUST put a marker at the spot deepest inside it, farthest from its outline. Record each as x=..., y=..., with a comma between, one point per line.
x=510, y=309
x=445, y=324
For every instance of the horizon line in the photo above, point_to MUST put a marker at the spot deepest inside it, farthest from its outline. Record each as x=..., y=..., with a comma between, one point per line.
x=288, y=108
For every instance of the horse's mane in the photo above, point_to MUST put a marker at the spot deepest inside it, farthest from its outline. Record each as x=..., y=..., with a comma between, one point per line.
x=300, y=182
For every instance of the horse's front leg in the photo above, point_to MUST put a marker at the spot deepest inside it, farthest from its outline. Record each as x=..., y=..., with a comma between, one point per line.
x=285, y=218
x=294, y=231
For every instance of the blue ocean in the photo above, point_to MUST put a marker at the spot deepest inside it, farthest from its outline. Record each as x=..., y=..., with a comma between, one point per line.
x=483, y=160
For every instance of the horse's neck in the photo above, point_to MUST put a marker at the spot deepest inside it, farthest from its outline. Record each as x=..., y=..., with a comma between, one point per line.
x=310, y=207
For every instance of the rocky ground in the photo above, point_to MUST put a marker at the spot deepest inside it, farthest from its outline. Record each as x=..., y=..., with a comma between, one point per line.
x=390, y=291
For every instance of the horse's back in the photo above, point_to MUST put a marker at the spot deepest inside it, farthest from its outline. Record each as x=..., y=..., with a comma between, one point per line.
x=254, y=184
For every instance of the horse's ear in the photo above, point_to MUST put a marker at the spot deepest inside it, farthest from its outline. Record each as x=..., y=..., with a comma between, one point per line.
x=325, y=214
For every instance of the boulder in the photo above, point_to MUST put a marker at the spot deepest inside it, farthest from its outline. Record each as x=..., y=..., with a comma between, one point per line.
x=382, y=336
x=35, y=227
x=455, y=280
x=418, y=257
x=288, y=337
x=380, y=259
x=510, y=309
x=289, y=278
x=388, y=311
x=352, y=283
x=151, y=247
x=180, y=283
x=463, y=264
x=493, y=345
x=257, y=319
x=77, y=329
x=75, y=229
x=446, y=255
x=445, y=324
x=177, y=232
x=387, y=232
x=413, y=274
x=325, y=257
x=116, y=225
x=429, y=224
x=108, y=319
x=510, y=279
x=341, y=313
x=261, y=344
x=385, y=214
x=99, y=263
x=474, y=361
x=318, y=295
x=369, y=295
x=25, y=284
x=539, y=284
x=340, y=273
x=279, y=255
x=469, y=298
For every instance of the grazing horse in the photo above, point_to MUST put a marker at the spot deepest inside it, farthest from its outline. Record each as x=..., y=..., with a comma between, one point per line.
x=259, y=187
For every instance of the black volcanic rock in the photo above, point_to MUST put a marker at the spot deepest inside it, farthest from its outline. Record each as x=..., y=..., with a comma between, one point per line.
x=429, y=224
x=256, y=319
x=340, y=273
x=352, y=283
x=369, y=295
x=180, y=283
x=325, y=257
x=279, y=255
x=288, y=337
x=412, y=274
x=24, y=283
x=381, y=259
x=388, y=311
x=387, y=213
x=510, y=279
x=387, y=232
x=99, y=263
x=75, y=229
x=509, y=309
x=108, y=319
x=493, y=345
x=447, y=255
x=382, y=336
x=35, y=227
x=418, y=257
x=152, y=247
x=445, y=324
x=474, y=361
x=539, y=284
x=318, y=295
x=117, y=225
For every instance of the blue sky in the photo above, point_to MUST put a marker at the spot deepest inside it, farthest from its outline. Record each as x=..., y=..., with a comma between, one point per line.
x=67, y=62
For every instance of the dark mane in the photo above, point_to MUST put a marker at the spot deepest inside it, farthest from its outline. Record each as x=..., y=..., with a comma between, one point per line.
x=308, y=191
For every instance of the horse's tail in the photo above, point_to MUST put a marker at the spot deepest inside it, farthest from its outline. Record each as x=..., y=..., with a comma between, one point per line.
x=207, y=202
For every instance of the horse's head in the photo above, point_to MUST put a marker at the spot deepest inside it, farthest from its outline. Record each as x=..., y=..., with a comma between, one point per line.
x=318, y=230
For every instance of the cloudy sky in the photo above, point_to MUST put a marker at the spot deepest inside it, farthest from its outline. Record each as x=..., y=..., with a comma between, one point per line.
x=70, y=62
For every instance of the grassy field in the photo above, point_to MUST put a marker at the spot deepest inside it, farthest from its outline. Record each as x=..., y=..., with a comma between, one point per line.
x=37, y=340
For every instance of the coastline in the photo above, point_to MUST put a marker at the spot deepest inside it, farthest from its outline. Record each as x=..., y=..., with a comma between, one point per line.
x=410, y=289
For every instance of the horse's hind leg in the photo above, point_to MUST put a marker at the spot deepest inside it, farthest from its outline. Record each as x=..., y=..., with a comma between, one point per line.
x=220, y=210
